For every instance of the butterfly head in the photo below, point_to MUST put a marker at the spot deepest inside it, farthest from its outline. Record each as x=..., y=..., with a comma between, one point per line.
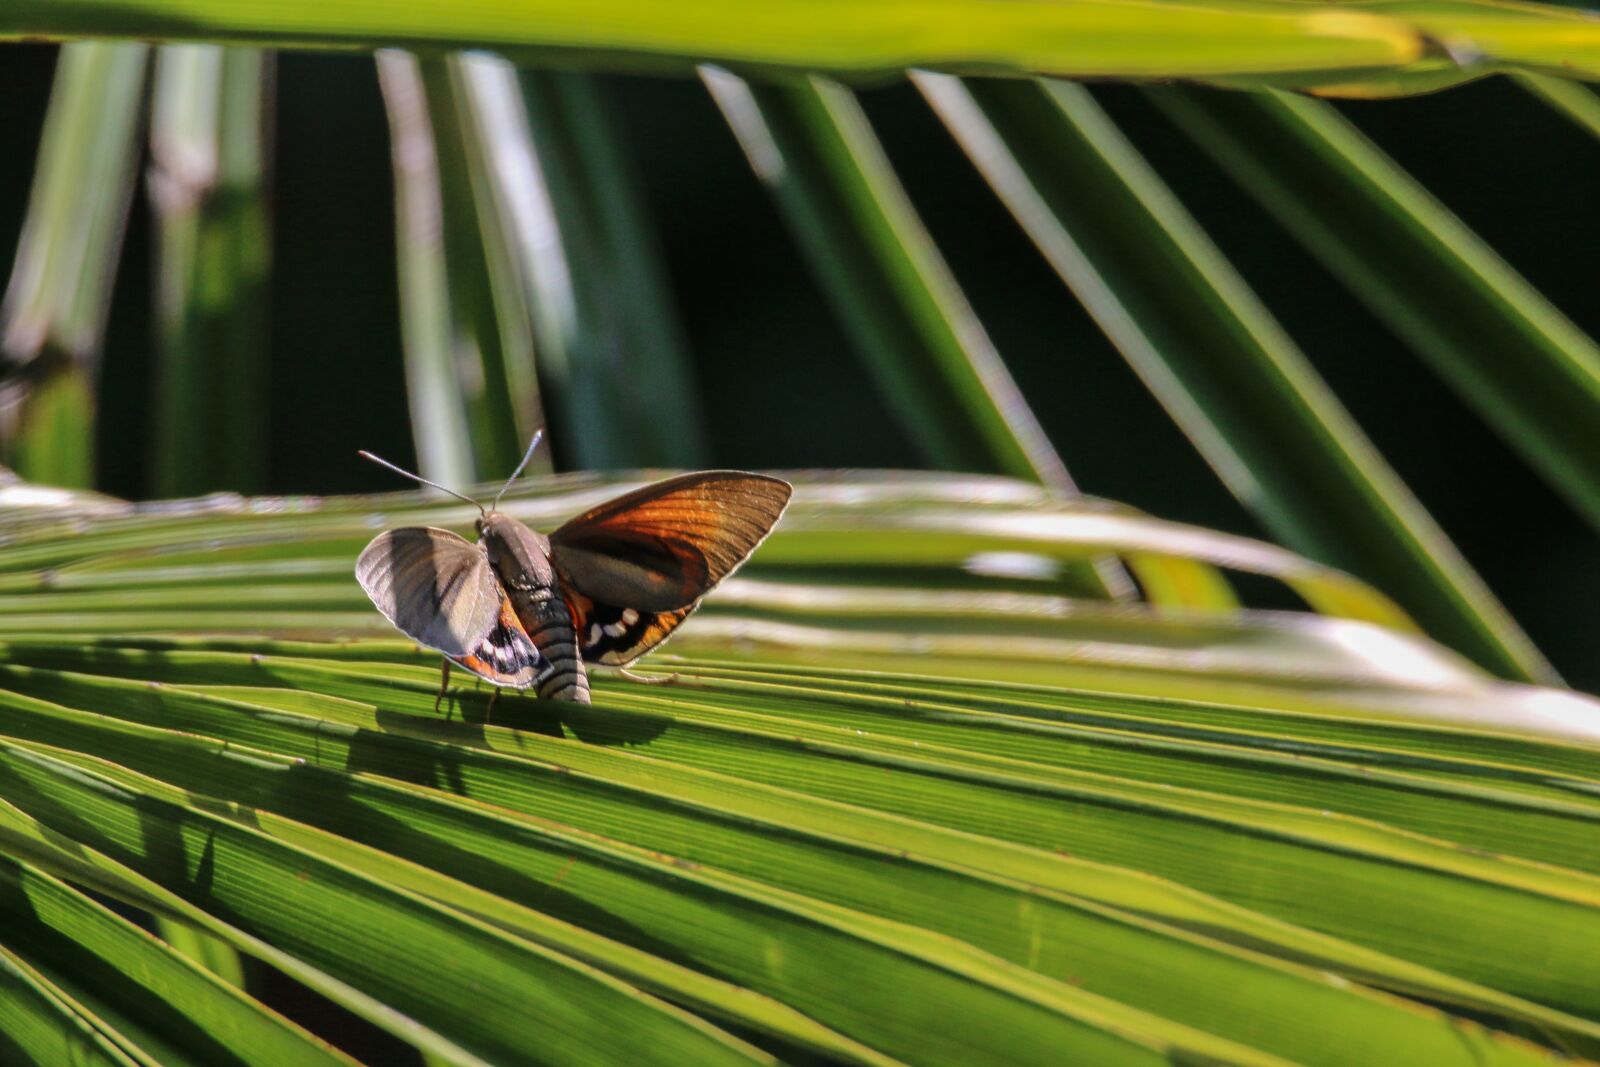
x=513, y=548
x=492, y=525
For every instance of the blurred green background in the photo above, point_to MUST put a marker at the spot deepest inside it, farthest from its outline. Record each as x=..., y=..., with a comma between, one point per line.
x=781, y=383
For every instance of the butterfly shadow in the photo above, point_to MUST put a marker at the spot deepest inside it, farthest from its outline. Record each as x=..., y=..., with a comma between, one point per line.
x=479, y=706
x=415, y=742
x=434, y=752
x=522, y=711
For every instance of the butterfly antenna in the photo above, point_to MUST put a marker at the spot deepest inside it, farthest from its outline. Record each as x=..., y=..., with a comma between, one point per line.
x=380, y=461
x=537, y=437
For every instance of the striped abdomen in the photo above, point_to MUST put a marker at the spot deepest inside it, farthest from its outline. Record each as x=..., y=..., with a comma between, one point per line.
x=544, y=615
x=521, y=559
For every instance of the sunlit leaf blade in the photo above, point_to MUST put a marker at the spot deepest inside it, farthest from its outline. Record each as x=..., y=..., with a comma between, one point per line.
x=1577, y=102
x=20, y=498
x=706, y=994
x=211, y=953
x=478, y=342
x=491, y=336
x=1434, y=73
x=314, y=796
x=1214, y=356
x=610, y=347
x=714, y=997
x=208, y=161
x=1492, y=33
x=1021, y=632
x=59, y=290
x=1271, y=42
x=431, y=317
x=1522, y=365
x=53, y=318
x=1087, y=37
x=492, y=142
x=858, y=525
x=467, y=324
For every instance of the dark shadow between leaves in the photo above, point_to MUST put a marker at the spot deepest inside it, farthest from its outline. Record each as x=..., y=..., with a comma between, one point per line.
x=11, y=1052
x=75, y=967
x=464, y=713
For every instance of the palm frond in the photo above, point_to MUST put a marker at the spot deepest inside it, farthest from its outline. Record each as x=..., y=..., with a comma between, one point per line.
x=1525, y=368
x=1377, y=49
x=891, y=799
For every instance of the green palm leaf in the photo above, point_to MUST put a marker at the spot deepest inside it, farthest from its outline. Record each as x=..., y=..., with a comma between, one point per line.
x=1526, y=368
x=884, y=806
x=1380, y=47
x=1219, y=363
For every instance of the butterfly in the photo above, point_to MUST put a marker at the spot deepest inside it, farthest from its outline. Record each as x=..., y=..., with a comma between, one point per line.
x=523, y=609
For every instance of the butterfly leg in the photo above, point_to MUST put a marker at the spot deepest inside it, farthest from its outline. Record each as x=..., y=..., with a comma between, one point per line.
x=665, y=679
x=488, y=713
x=444, y=684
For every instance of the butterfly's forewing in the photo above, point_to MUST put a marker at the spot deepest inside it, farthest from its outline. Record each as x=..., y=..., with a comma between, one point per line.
x=506, y=655
x=616, y=636
x=660, y=548
x=434, y=586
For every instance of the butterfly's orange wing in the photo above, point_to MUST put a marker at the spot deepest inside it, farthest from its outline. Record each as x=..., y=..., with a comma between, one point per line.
x=616, y=636
x=659, y=549
x=633, y=568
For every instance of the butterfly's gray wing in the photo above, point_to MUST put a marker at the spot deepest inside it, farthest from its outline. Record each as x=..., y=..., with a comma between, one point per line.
x=436, y=587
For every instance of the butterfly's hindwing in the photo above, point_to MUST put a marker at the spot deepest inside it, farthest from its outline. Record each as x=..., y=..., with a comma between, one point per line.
x=507, y=655
x=615, y=636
